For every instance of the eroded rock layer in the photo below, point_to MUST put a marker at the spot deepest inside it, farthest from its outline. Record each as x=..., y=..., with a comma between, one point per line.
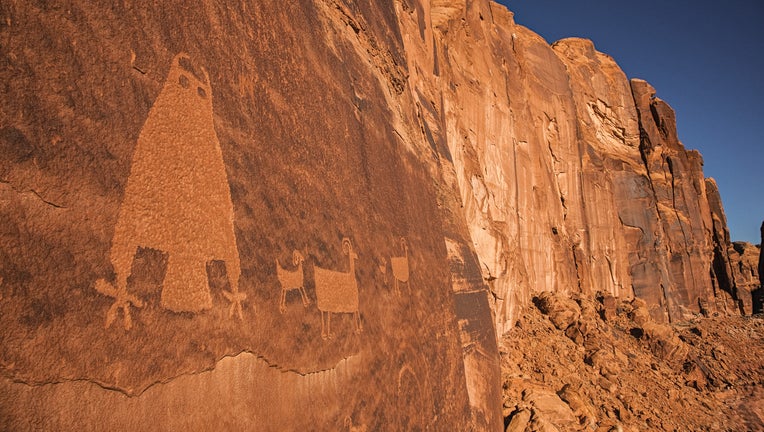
x=328, y=208
x=571, y=176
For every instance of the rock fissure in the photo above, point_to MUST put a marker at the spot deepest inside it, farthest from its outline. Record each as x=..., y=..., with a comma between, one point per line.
x=33, y=192
x=148, y=386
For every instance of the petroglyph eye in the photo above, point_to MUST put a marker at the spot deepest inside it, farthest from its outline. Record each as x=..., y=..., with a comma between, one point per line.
x=183, y=81
x=202, y=93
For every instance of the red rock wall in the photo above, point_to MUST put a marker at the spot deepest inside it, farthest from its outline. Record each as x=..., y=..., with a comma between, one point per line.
x=160, y=164
x=677, y=179
x=735, y=272
x=744, y=259
x=571, y=177
x=318, y=213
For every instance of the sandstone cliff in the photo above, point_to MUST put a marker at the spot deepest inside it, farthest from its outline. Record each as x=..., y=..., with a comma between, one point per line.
x=735, y=272
x=572, y=178
x=320, y=212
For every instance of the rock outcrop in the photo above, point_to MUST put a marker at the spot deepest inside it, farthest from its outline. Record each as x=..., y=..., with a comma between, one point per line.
x=676, y=177
x=163, y=166
x=571, y=177
x=735, y=269
x=631, y=373
x=745, y=269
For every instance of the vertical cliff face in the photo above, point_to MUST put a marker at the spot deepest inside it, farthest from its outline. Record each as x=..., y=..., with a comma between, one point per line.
x=336, y=205
x=478, y=103
x=745, y=269
x=734, y=271
x=677, y=180
x=571, y=177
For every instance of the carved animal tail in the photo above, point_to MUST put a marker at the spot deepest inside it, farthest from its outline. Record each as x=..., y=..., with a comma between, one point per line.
x=405, y=247
x=346, y=246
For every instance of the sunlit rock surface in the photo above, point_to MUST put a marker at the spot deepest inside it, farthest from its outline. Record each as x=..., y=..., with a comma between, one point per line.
x=319, y=213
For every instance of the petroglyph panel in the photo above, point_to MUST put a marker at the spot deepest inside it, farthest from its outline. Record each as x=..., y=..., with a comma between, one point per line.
x=177, y=199
x=136, y=168
x=337, y=292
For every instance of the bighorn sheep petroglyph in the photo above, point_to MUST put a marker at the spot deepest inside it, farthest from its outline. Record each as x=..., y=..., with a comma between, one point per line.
x=292, y=280
x=400, y=266
x=337, y=292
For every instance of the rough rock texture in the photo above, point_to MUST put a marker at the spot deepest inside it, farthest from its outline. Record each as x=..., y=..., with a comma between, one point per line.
x=630, y=373
x=721, y=271
x=571, y=177
x=676, y=177
x=745, y=269
x=333, y=204
x=736, y=269
x=160, y=160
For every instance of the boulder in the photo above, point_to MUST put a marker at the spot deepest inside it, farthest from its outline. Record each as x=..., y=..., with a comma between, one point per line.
x=562, y=311
x=665, y=343
x=518, y=421
x=744, y=259
x=548, y=406
x=582, y=408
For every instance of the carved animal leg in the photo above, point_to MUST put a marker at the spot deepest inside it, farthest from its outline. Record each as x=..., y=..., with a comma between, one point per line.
x=323, y=329
x=358, y=323
x=282, y=301
x=329, y=325
x=235, y=296
x=305, y=299
x=397, y=287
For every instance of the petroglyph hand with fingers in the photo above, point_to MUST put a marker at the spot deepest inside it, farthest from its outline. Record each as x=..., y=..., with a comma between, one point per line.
x=122, y=300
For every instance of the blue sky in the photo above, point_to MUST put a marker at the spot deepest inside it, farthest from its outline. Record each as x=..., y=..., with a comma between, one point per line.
x=705, y=58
